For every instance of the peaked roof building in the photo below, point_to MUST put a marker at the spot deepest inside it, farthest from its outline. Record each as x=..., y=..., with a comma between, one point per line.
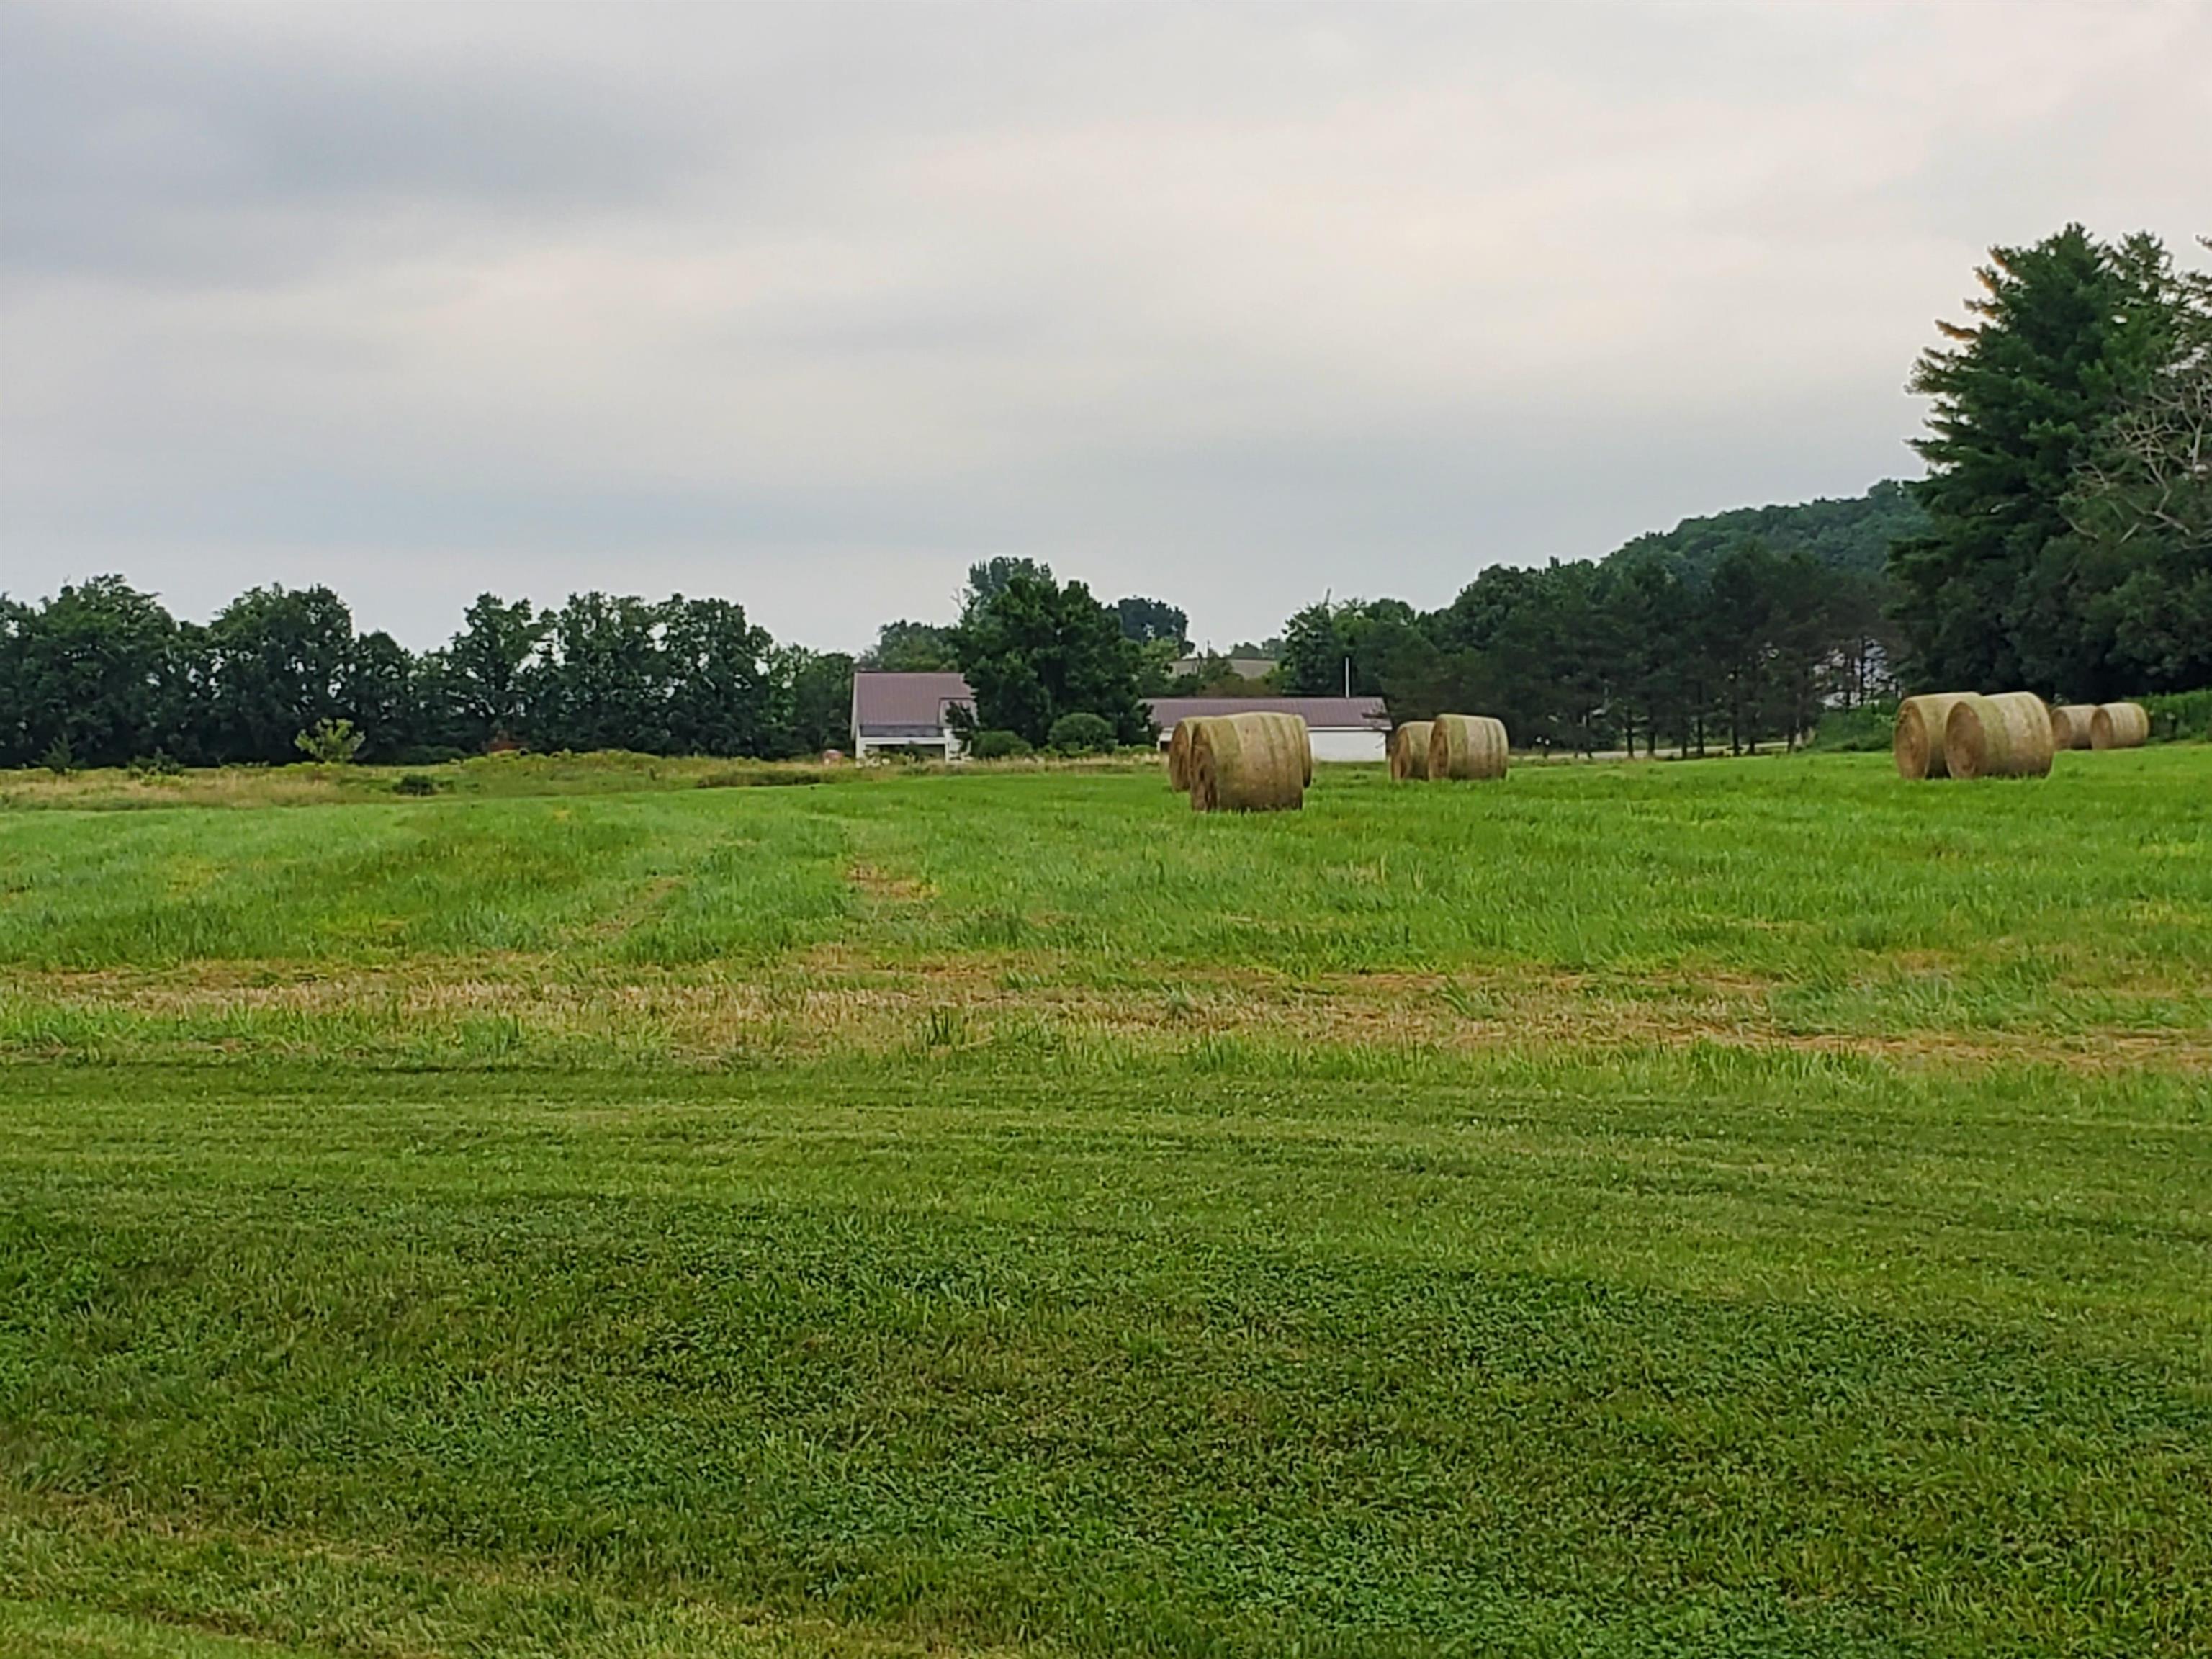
x=911, y=711
x=907, y=711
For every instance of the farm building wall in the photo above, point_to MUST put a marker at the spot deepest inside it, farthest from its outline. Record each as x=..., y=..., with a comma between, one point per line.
x=1357, y=744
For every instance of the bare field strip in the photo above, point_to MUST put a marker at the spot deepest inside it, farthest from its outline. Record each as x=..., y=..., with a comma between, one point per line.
x=830, y=1002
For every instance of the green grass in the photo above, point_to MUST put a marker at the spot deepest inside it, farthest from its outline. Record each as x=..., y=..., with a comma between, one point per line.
x=1753, y=1208
x=379, y=882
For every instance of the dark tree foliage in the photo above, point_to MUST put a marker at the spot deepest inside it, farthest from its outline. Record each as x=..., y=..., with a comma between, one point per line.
x=1853, y=534
x=717, y=683
x=97, y=670
x=600, y=680
x=482, y=669
x=989, y=578
x=1324, y=645
x=377, y=690
x=1682, y=640
x=2141, y=508
x=1034, y=651
x=1081, y=732
x=24, y=707
x=1317, y=654
x=1210, y=675
x=821, y=685
x=1146, y=621
x=910, y=647
x=277, y=661
x=101, y=672
x=2065, y=335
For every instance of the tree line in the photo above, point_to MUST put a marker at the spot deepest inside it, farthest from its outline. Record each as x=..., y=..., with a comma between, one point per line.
x=1693, y=640
x=101, y=674
x=2061, y=542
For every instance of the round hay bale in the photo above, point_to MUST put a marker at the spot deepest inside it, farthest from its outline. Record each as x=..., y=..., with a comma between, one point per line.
x=2070, y=725
x=1296, y=732
x=1179, y=754
x=1253, y=762
x=1409, y=751
x=2119, y=726
x=1466, y=746
x=1291, y=732
x=1916, y=745
x=2007, y=736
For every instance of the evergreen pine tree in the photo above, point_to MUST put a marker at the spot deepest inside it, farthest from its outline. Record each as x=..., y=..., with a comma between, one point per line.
x=2066, y=332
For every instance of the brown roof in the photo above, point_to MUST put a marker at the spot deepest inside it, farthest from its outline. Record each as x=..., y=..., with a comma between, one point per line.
x=905, y=705
x=1323, y=713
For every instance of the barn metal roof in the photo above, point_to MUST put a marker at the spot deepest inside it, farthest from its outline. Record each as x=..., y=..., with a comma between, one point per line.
x=906, y=705
x=1323, y=713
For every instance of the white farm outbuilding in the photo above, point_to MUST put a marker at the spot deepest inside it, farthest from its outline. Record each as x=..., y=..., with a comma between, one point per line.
x=1342, y=728
x=909, y=712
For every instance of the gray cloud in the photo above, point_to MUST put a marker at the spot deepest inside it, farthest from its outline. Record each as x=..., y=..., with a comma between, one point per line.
x=812, y=307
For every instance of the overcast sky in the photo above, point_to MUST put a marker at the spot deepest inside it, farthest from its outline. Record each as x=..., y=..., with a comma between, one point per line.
x=812, y=307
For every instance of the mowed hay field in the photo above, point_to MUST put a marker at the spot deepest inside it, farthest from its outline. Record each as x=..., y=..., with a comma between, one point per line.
x=1751, y=1207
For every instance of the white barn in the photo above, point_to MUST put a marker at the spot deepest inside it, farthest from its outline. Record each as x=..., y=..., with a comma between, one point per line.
x=907, y=711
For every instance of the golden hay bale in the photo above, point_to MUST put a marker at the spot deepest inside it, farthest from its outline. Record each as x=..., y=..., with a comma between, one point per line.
x=2007, y=736
x=1293, y=732
x=1179, y=754
x=2070, y=725
x=1409, y=751
x=1463, y=746
x=1916, y=745
x=1296, y=731
x=2119, y=726
x=1252, y=762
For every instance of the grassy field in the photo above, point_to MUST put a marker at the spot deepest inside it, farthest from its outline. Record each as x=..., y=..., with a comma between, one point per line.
x=1749, y=1208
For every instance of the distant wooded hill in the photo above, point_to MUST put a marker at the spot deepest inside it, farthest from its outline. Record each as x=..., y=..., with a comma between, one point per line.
x=1852, y=534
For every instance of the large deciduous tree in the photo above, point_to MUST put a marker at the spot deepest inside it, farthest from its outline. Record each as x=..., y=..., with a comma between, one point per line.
x=1147, y=620
x=910, y=647
x=719, y=694
x=1317, y=652
x=599, y=682
x=1034, y=651
x=278, y=659
x=821, y=698
x=95, y=668
x=990, y=578
x=378, y=690
x=485, y=668
x=1351, y=647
